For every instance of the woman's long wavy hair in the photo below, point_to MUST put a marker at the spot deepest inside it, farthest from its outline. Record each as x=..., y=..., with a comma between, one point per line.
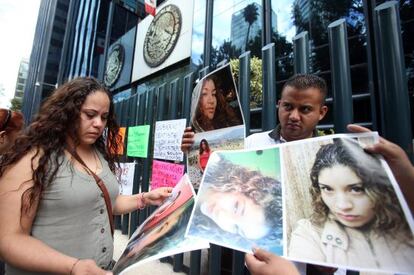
x=224, y=116
x=225, y=176
x=389, y=216
x=46, y=136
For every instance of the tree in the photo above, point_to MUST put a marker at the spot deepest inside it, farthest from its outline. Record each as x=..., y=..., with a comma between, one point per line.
x=256, y=98
x=323, y=12
x=225, y=51
x=16, y=104
x=250, y=16
x=284, y=56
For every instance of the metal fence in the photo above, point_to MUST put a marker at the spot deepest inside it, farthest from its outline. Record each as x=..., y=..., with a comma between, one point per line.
x=172, y=101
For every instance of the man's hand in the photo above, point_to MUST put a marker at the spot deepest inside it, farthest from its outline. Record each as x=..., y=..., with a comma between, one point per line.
x=398, y=161
x=187, y=140
x=266, y=263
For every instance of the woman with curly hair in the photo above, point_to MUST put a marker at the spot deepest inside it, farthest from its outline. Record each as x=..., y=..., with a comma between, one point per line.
x=357, y=220
x=55, y=218
x=212, y=111
x=11, y=123
x=238, y=206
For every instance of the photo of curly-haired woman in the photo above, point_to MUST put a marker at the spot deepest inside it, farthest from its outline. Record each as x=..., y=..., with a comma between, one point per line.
x=355, y=218
x=239, y=202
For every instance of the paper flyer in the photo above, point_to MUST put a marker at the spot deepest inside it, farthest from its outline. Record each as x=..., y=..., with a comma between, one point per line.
x=167, y=139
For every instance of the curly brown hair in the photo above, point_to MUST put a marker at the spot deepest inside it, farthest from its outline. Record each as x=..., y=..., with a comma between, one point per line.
x=46, y=136
x=225, y=176
x=389, y=216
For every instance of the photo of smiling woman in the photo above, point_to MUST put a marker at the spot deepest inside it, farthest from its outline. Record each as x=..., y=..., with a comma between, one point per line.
x=214, y=102
x=357, y=220
x=238, y=207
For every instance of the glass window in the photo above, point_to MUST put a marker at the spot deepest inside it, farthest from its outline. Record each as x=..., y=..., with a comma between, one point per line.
x=122, y=22
x=295, y=16
x=237, y=27
x=123, y=31
x=283, y=30
x=197, y=56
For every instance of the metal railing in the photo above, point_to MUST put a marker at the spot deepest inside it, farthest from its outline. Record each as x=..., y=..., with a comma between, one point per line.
x=172, y=101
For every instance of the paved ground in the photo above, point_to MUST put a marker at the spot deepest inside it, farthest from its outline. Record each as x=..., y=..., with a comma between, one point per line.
x=151, y=268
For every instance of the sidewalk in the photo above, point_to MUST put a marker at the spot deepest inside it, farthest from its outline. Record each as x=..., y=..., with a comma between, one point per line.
x=151, y=268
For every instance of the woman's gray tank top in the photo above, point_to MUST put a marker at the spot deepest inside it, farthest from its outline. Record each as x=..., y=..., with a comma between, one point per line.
x=72, y=216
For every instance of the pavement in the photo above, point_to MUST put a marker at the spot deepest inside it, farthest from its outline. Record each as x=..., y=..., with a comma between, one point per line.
x=151, y=268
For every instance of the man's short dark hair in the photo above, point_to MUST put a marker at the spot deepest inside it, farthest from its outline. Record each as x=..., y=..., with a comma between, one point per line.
x=306, y=81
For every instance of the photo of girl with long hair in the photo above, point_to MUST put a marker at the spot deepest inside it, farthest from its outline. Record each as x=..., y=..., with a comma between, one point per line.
x=216, y=117
x=163, y=232
x=357, y=220
x=214, y=102
x=238, y=206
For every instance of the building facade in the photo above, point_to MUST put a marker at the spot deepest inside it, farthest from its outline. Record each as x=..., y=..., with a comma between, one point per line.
x=21, y=79
x=84, y=38
x=150, y=62
x=46, y=54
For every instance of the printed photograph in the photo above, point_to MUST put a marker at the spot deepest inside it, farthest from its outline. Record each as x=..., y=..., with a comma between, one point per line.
x=239, y=203
x=216, y=119
x=215, y=103
x=341, y=208
x=206, y=143
x=163, y=233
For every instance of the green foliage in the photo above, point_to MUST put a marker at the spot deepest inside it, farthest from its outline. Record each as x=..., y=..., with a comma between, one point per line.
x=16, y=104
x=326, y=132
x=323, y=13
x=256, y=87
x=250, y=14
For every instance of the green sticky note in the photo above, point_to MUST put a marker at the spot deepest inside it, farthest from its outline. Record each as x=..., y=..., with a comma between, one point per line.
x=137, y=145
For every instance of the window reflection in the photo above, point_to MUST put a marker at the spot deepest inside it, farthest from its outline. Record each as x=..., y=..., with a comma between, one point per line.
x=197, y=56
x=237, y=26
x=314, y=16
x=283, y=30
